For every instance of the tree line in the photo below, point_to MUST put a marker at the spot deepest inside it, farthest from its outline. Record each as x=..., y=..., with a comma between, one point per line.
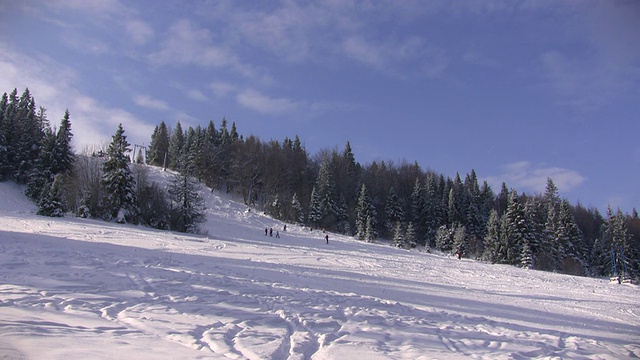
x=400, y=202
x=101, y=184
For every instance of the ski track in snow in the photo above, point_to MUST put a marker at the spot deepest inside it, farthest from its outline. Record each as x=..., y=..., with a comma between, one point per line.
x=77, y=288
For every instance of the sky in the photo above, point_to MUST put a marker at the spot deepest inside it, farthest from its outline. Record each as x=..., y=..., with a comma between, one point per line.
x=519, y=91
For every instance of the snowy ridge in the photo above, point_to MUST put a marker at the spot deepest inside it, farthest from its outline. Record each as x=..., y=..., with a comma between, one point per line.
x=78, y=288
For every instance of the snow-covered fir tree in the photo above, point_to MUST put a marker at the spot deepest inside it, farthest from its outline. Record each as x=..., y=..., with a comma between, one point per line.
x=365, y=216
x=275, y=208
x=417, y=206
x=42, y=174
x=342, y=216
x=121, y=202
x=315, y=214
x=492, y=251
x=399, y=235
x=326, y=193
x=433, y=211
x=51, y=203
x=444, y=238
x=370, y=232
x=572, y=260
x=460, y=241
x=393, y=211
x=187, y=206
x=30, y=134
x=63, y=150
x=297, y=211
x=159, y=147
x=176, y=143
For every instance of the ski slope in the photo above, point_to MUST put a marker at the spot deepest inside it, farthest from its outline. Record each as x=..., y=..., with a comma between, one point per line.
x=84, y=289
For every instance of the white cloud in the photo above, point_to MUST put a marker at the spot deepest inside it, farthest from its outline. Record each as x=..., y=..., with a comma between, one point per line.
x=188, y=45
x=150, y=103
x=139, y=31
x=406, y=57
x=362, y=51
x=524, y=176
x=222, y=89
x=196, y=95
x=607, y=67
x=91, y=121
x=93, y=7
x=259, y=102
x=479, y=59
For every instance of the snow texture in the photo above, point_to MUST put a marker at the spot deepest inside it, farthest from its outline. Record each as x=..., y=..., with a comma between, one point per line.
x=74, y=288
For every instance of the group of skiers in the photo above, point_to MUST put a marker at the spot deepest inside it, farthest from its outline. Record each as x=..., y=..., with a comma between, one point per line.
x=269, y=232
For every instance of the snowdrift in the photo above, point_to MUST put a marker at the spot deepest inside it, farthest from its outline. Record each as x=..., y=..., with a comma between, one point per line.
x=75, y=288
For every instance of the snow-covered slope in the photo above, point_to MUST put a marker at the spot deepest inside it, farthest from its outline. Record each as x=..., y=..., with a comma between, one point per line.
x=76, y=288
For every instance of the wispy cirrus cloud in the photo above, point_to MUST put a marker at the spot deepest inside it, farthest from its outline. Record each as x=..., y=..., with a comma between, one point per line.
x=609, y=65
x=139, y=31
x=264, y=104
x=92, y=121
x=524, y=175
x=407, y=57
x=188, y=44
x=148, y=102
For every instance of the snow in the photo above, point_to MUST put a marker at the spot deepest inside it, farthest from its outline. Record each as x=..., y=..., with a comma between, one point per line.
x=79, y=288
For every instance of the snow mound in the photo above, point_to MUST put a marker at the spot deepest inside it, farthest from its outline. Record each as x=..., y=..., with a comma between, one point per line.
x=79, y=288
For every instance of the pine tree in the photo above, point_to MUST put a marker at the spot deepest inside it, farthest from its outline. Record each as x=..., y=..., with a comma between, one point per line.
x=398, y=235
x=63, y=151
x=119, y=183
x=298, y=213
x=460, y=240
x=315, y=214
x=433, y=211
x=343, y=216
x=29, y=137
x=4, y=140
x=570, y=236
x=513, y=229
x=410, y=236
x=394, y=210
x=51, y=203
x=492, y=245
x=444, y=238
x=370, y=233
x=159, y=147
x=502, y=201
x=10, y=131
x=42, y=175
x=535, y=219
x=176, y=143
x=187, y=205
x=365, y=216
x=526, y=256
x=275, y=209
x=417, y=206
x=325, y=192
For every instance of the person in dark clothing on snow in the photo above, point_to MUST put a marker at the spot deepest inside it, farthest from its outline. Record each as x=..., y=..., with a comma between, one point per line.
x=326, y=237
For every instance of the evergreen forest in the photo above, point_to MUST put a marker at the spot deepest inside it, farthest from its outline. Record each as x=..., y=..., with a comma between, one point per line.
x=399, y=203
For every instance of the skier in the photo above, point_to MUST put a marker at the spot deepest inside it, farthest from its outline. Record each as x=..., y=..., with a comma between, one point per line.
x=326, y=237
x=277, y=234
x=285, y=227
x=265, y=231
x=271, y=232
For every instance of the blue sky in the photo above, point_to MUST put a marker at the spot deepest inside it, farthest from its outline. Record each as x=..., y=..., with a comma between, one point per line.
x=517, y=90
